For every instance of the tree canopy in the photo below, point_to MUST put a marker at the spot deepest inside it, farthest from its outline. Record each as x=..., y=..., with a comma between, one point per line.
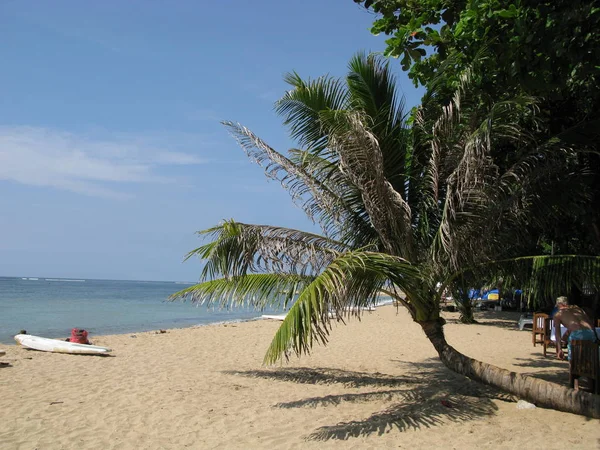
x=548, y=49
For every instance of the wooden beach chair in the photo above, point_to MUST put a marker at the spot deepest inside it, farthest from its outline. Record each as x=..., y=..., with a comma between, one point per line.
x=584, y=362
x=538, y=330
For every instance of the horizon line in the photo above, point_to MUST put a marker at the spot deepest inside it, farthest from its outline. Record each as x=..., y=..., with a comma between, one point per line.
x=94, y=279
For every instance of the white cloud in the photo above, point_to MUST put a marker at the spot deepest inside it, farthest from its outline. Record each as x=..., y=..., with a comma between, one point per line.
x=91, y=166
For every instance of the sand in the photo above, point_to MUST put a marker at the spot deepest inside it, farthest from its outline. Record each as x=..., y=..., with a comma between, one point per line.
x=378, y=384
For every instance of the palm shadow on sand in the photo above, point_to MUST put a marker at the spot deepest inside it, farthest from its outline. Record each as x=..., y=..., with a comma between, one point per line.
x=502, y=319
x=435, y=396
x=557, y=371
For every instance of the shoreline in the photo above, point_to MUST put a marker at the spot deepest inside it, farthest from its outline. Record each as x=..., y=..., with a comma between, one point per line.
x=377, y=384
x=151, y=329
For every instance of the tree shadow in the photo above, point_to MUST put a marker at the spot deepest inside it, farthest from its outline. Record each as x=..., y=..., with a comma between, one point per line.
x=504, y=319
x=334, y=400
x=459, y=384
x=547, y=362
x=502, y=324
x=499, y=319
x=328, y=376
x=414, y=415
x=554, y=376
x=551, y=376
x=435, y=397
x=511, y=316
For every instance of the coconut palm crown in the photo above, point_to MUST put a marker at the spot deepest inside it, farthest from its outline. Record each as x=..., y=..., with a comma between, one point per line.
x=405, y=210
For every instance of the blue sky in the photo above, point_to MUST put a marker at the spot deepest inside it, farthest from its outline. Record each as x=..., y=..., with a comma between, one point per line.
x=111, y=151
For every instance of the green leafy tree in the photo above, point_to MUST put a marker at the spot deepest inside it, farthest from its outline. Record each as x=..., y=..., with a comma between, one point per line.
x=400, y=209
x=548, y=49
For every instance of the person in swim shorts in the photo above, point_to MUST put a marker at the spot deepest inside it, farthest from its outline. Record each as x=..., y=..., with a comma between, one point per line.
x=578, y=323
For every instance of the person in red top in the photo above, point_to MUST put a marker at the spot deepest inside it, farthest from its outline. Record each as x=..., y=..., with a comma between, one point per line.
x=79, y=336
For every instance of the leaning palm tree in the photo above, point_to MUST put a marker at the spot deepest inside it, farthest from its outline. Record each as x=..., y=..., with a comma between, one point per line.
x=401, y=210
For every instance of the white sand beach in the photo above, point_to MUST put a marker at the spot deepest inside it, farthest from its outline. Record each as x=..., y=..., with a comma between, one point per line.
x=378, y=384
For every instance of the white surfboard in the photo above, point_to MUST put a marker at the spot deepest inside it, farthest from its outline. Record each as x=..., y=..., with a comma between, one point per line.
x=56, y=346
x=274, y=316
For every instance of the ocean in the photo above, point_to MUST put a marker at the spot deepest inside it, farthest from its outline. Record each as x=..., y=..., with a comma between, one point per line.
x=51, y=307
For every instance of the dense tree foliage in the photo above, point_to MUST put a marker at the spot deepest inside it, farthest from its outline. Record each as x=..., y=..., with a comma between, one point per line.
x=549, y=49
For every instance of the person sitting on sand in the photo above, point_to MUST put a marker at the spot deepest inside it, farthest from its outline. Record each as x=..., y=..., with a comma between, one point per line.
x=578, y=324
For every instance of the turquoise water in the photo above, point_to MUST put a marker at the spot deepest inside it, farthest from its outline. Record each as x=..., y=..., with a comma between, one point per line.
x=51, y=307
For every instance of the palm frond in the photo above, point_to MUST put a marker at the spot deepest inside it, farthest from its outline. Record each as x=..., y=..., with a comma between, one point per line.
x=553, y=276
x=350, y=282
x=361, y=160
x=505, y=205
x=302, y=105
x=318, y=201
x=255, y=290
x=238, y=248
x=461, y=158
x=356, y=230
x=372, y=89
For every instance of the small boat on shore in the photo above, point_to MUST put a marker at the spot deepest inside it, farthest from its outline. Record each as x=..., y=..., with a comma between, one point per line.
x=57, y=346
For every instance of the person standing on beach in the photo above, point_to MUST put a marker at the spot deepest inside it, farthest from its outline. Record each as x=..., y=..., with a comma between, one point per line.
x=578, y=324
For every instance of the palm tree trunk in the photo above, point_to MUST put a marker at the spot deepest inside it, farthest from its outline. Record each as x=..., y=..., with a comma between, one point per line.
x=541, y=392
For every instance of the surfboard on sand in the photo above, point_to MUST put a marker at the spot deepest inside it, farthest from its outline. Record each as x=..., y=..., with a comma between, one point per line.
x=273, y=316
x=56, y=346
